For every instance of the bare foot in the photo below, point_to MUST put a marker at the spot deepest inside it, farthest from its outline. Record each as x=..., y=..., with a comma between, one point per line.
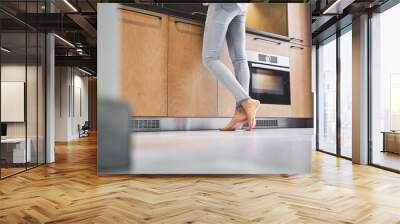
x=237, y=120
x=250, y=107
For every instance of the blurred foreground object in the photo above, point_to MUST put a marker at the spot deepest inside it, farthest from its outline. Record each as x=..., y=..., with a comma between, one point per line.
x=113, y=137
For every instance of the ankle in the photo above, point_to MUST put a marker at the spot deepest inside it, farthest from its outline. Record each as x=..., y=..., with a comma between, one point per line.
x=246, y=102
x=239, y=109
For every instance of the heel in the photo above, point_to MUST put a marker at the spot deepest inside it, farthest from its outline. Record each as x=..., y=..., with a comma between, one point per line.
x=237, y=126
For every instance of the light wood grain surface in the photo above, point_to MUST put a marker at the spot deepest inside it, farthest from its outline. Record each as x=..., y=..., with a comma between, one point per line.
x=143, y=74
x=192, y=90
x=299, y=23
x=268, y=17
x=300, y=79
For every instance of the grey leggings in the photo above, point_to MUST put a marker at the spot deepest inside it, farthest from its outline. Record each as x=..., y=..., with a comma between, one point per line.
x=227, y=20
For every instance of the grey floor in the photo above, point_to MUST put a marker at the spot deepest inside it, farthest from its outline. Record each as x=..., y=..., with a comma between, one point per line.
x=267, y=151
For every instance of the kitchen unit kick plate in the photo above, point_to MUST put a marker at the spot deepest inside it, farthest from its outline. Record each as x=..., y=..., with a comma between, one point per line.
x=193, y=124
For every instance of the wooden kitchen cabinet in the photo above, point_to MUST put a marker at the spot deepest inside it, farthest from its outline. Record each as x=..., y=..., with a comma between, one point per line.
x=299, y=23
x=192, y=90
x=268, y=17
x=143, y=68
x=300, y=81
x=161, y=70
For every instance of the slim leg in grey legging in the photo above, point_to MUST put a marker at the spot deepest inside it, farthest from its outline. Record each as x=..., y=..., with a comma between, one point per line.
x=227, y=20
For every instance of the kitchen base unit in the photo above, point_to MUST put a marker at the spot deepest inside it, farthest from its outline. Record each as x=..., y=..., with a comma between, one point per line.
x=280, y=151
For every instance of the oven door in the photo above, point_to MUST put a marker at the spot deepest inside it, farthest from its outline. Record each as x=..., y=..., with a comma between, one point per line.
x=269, y=84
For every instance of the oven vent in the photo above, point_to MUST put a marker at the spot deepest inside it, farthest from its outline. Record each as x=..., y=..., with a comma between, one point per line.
x=146, y=125
x=265, y=124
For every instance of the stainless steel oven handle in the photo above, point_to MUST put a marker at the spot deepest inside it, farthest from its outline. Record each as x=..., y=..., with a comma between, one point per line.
x=266, y=40
x=199, y=13
x=270, y=67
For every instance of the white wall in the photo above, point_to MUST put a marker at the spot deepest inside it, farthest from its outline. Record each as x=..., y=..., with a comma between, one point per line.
x=80, y=83
x=34, y=125
x=108, y=40
x=13, y=101
x=62, y=82
x=12, y=73
x=69, y=82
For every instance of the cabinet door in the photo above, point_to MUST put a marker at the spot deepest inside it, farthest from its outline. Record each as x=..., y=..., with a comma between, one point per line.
x=299, y=21
x=192, y=90
x=268, y=17
x=300, y=81
x=143, y=68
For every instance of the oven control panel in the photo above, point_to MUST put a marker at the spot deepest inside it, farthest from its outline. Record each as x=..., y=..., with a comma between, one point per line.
x=267, y=58
x=263, y=58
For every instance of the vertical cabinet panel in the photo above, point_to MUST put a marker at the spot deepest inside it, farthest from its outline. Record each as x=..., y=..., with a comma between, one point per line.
x=143, y=75
x=299, y=23
x=192, y=91
x=300, y=79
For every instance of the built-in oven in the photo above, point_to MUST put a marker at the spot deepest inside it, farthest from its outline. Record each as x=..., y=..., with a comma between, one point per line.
x=269, y=78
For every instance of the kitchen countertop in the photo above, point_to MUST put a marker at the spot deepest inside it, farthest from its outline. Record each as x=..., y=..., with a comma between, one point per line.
x=199, y=18
x=266, y=151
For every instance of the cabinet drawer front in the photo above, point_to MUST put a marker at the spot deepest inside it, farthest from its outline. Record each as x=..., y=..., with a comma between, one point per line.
x=266, y=45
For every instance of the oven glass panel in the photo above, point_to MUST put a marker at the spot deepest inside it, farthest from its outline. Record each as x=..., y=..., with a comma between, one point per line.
x=269, y=85
x=265, y=81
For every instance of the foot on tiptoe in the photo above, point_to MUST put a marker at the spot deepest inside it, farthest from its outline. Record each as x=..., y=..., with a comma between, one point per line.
x=237, y=120
x=251, y=107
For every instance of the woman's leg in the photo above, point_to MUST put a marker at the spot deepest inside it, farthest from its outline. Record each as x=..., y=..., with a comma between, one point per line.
x=217, y=22
x=236, y=39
